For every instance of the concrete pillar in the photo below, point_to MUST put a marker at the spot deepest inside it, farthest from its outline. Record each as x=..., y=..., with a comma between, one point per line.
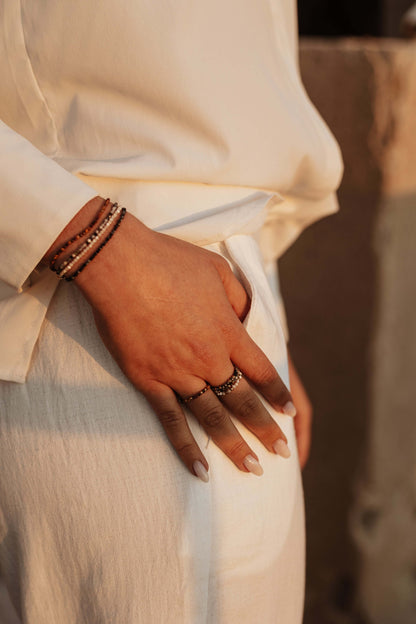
x=350, y=290
x=392, y=14
x=384, y=519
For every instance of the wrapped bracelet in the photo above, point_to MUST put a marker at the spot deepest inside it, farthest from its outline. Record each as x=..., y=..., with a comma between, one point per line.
x=88, y=248
x=67, y=265
x=79, y=235
x=97, y=251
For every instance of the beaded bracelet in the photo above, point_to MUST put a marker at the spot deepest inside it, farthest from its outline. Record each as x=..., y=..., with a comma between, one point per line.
x=67, y=265
x=88, y=246
x=97, y=251
x=80, y=234
x=58, y=269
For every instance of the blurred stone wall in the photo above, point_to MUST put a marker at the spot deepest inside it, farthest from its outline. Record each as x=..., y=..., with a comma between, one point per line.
x=391, y=16
x=327, y=18
x=349, y=285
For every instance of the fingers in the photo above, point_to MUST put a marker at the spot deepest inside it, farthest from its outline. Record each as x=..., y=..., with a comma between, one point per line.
x=254, y=364
x=164, y=402
x=245, y=404
x=216, y=421
x=236, y=294
x=248, y=356
x=214, y=413
x=215, y=417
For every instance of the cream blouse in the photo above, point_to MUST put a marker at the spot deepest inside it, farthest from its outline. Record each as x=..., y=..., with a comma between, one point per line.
x=190, y=112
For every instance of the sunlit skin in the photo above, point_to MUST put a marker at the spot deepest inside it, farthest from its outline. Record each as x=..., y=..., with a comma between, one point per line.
x=170, y=314
x=303, y=418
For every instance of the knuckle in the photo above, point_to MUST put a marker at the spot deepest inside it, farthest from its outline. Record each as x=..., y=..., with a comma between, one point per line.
x=131, y=371
x=229, y=330
x=150, y=387
x=266, y=375
x=237, y=449
x=185, y=449
x=170, y=418
x=203, y=352
x=247, y=407
x=214, y=417
x=136, y=372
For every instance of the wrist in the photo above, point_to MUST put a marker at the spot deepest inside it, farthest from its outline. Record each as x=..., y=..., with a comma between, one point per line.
x=77, y=224
x=114, y=261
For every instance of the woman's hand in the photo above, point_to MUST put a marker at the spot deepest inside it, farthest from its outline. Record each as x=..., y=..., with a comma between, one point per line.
x=170, y=314
x=303, y=419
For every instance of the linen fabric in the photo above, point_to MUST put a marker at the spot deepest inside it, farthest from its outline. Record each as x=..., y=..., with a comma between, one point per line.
x=99, y=520
x=175, y=100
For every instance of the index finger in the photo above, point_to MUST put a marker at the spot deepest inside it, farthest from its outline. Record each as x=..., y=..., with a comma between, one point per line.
x=258, y=369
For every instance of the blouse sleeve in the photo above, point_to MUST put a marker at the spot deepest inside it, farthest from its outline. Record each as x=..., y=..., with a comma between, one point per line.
x=37, y=200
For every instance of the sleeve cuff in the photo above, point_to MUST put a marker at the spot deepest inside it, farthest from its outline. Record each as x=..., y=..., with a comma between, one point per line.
x=38, y=198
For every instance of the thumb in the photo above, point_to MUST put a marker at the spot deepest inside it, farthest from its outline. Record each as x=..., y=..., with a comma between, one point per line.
x=236, y=294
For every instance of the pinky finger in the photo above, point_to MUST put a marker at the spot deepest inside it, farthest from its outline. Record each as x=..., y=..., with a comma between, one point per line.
x=164, y=402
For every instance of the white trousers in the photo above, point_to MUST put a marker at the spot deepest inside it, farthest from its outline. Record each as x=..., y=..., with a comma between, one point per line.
x=99, y=521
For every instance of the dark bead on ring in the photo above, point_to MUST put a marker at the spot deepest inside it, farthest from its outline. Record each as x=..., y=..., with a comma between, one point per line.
x=190, y=398
x=229, y=385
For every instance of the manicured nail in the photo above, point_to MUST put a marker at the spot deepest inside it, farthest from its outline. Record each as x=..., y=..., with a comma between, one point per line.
x=253, y=465
x=289, y=409
x=281, y=448
x=200, y=471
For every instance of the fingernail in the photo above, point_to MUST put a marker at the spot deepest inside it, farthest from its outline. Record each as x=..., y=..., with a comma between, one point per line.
x=281, y=448
x=289, y=409
x=200, y=471
x=253, y=465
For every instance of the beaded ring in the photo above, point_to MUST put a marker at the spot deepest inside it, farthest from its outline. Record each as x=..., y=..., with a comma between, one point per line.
x=229, y=385
x=192, y=397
